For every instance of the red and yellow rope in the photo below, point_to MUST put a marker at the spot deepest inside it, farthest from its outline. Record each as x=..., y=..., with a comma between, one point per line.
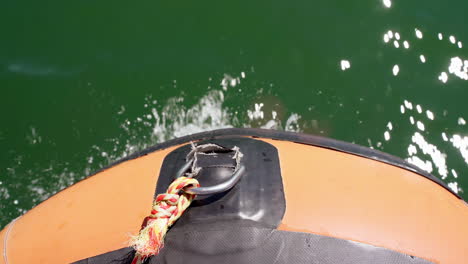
x=167, y=208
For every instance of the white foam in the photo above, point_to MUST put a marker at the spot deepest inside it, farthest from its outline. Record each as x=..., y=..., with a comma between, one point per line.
x=257, y=113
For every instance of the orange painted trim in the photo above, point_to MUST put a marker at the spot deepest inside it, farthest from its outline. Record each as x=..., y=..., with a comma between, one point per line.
x=327, y=192
x=345, y=196
x=92, y=217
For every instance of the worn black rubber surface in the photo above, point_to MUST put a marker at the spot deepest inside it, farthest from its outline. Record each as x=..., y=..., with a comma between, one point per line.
x=258, y=196
x=247, y=243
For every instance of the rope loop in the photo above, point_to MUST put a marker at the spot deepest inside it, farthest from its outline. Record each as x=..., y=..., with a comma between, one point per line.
x=167, y=208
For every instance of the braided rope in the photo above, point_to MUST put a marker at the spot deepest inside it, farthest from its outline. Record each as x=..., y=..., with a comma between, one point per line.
x=167, y=208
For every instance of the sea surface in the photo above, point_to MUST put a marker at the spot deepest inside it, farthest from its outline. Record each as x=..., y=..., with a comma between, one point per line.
x=85, y=83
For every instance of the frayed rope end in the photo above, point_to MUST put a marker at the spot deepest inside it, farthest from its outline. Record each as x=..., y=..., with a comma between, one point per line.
x=150, y=240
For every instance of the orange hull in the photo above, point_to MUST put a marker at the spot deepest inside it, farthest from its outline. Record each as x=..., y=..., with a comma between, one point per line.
x=327, y=192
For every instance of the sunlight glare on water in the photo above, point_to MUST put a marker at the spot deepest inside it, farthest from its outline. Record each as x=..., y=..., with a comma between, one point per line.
x=345, y=64
x=387, y=3
x=425, y=154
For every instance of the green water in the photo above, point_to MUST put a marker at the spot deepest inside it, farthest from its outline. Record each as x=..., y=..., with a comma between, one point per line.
x=85, y=83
